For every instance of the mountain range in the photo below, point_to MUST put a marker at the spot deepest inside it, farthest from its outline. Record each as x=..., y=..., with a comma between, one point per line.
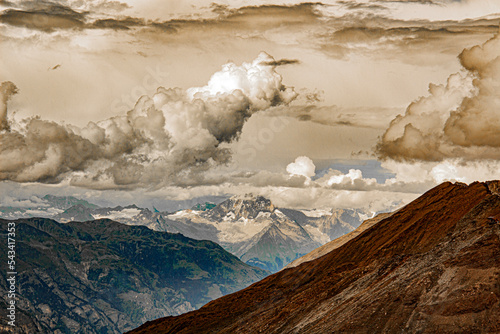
x=102, y=276
x=251, y=227
x=432, y=266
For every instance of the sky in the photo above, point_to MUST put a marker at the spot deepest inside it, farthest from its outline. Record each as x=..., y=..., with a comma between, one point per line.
x=345, y=104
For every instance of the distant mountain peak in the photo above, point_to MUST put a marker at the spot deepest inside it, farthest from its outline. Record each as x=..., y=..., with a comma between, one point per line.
x=65, y=202
x=77, y=212
x=247, y=206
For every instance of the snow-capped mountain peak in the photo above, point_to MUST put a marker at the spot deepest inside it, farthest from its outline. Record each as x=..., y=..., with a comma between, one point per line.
x=247, y=206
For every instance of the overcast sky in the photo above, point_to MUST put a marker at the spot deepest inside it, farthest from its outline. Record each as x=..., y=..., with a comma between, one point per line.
x=354, y=104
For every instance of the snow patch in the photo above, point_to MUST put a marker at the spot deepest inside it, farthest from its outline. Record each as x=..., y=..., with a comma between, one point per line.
x=316, y=213
x=280, y=214
x=184, y=214
x=365, y=216
x=230, y=216
x=239, y=230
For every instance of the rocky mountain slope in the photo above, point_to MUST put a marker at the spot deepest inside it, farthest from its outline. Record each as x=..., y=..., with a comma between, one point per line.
x=431, y=267
x=105, y=277
x=336, y=243
x=280, y=242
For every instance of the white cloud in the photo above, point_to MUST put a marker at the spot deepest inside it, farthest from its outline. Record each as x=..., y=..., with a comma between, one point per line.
x=302, y=166
x=172, y=135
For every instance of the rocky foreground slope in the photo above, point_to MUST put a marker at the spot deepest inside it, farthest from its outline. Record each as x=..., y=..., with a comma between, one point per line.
x=431, y=267
x=336, y=243
x=105, y=277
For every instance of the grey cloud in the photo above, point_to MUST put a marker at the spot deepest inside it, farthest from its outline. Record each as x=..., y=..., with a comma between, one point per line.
x=378, y=35
x=244, y=18
x=48, y=16
x=282, y=62
x=6, y=3
x=42, y=20
x=117, y=24
x=43, y=153
x=43, y=15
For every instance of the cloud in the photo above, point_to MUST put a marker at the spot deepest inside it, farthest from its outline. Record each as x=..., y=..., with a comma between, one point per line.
x=7, y=89
x=373, y=32
x=49, y=16
x=33, y=201
x=43, y=15
x=351, y=177
x=321, y=198
x=354, y=180
x=457, y=120
x=302, y=166
x=304, y=109
x=118, y=24
x=282, y=62
x=171, y=136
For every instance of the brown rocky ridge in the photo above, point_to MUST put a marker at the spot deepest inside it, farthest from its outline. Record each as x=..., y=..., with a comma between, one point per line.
x=431, y=267
x=336, y=243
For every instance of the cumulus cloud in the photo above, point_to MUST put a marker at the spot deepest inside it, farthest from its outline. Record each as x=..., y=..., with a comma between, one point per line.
x=456, y=120
x=164, y=138
x=302, y=166
x=351, y=177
